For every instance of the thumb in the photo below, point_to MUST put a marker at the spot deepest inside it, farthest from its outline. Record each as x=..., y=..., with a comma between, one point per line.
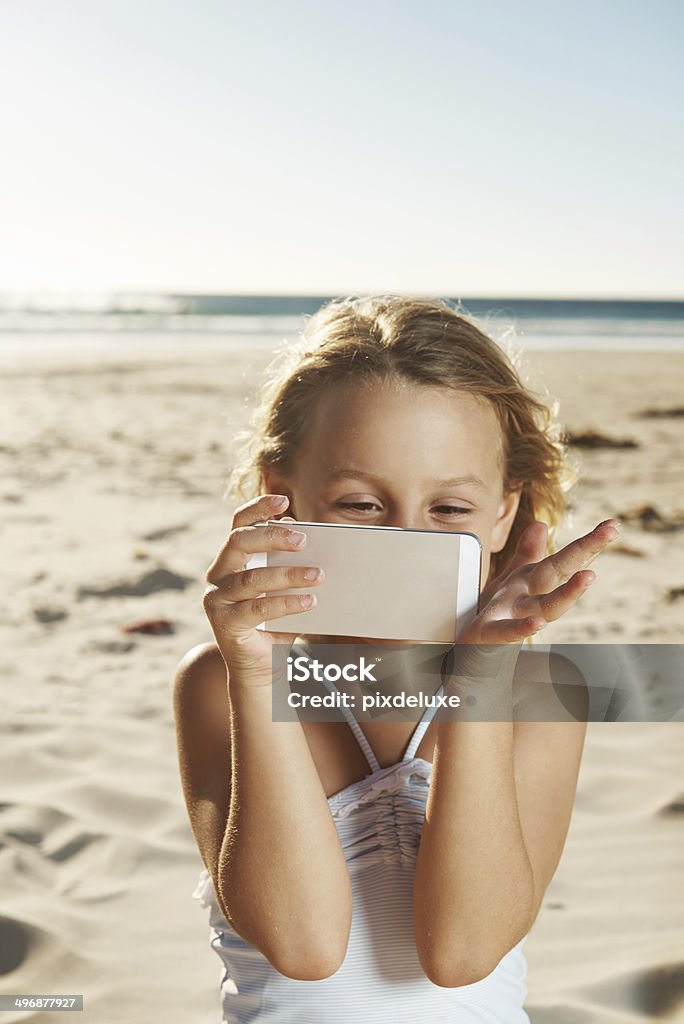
x=533, y=540
x=531, y=546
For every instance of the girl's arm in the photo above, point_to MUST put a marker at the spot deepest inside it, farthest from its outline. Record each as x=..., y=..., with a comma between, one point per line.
x=502, y=792
x=261, y=820
x=259, y=806
x=497, y=817
x=282, y=868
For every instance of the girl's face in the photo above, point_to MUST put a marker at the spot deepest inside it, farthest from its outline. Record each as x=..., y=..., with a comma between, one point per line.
x=402, y=454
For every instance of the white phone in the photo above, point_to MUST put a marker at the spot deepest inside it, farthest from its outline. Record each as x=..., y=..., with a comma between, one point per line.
x=382, y=582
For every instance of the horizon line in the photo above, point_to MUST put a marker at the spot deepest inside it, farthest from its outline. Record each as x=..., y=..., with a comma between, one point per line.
x=187, y=294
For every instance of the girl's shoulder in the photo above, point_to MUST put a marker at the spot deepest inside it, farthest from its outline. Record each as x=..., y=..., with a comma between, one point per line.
x=201, y=711
x=198, y=662
x=201, y=652
x=200, y=691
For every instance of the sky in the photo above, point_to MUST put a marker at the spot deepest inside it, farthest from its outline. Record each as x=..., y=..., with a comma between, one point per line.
x=297, y=147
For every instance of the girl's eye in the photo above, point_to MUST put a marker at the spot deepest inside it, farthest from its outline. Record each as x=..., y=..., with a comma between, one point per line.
x=362, y=506
x=454, y=509
x=366, y=506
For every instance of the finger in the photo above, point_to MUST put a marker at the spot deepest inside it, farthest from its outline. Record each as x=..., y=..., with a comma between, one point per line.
x=264, y=506
x=244, y=541
x=237, y=618
x=557, y=568
x=551, y=606
x=242, y=586
x=531, y=547
x=259, y=509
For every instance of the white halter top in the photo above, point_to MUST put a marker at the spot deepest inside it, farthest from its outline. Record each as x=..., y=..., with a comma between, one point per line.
x=381, y=981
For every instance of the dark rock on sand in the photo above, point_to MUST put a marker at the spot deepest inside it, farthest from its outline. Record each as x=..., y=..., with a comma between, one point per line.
x=164, y=532
x=649, y=518
x=675, y=411
x=149, y=583
x=43, y=614
x=153, y=627
x=625, y=549
x=594, y=439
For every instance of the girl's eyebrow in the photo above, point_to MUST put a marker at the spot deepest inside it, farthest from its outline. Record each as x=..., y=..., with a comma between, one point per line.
x=337, y=471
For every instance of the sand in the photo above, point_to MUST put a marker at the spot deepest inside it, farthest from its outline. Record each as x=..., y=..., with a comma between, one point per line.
x=114, y=463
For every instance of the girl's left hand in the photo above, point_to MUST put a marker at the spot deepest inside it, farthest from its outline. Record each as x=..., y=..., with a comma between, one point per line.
x=533, y=590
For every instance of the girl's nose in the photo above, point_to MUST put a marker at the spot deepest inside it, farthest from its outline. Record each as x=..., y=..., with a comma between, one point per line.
x=405, y=521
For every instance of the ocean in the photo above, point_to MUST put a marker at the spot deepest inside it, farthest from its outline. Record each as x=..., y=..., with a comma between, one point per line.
x=152, y=321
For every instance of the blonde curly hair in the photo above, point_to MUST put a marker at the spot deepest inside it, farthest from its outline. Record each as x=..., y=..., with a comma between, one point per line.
x=421, y=340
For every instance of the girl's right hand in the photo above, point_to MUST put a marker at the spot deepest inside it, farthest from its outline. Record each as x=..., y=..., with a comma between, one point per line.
x=237, y=599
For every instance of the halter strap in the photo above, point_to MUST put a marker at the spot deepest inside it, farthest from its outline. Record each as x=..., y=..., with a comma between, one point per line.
x=416, y=735
x=355, y=728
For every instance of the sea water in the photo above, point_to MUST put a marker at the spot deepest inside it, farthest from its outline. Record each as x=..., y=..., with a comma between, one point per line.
x=153, y=322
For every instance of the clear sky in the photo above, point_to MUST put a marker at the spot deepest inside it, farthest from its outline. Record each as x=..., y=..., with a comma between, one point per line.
x=334, y=146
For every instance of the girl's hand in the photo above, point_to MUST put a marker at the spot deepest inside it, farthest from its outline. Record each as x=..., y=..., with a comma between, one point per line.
x=238, y=598
x=534, y=590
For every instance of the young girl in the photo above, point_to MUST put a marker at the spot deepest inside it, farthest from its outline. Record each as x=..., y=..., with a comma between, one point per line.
x=381, y=872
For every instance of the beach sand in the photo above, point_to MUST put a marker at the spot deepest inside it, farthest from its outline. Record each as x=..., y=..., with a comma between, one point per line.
x=114, y=464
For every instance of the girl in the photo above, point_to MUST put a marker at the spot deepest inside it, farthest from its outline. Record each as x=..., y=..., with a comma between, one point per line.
x=382, y=872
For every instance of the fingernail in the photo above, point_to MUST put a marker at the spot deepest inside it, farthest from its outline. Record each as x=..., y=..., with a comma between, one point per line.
x=279, y=500
x=312, y=574
x=296, y=538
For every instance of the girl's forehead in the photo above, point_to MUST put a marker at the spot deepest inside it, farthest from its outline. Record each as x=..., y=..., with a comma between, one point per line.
x=383, y=421
x=402, y=400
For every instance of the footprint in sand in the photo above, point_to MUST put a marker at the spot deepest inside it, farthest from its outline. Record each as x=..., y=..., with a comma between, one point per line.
x=60, y=853
x=65, y=848
x=559, y=1015
x=16, y=940
x=109, y=647
x=655, y=992
x=673, y=809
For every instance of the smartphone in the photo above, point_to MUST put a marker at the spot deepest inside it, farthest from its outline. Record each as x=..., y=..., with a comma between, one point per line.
x=382, y=582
